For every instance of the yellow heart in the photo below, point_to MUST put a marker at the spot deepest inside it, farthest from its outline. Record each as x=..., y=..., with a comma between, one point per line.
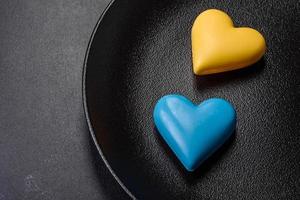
x=217, y=46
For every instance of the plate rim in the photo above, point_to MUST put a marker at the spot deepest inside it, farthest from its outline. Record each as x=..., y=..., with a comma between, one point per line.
x=85, y=107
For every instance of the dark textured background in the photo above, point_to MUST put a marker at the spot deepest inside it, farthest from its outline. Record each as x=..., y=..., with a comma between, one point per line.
x=45, y=148
x=142, y=50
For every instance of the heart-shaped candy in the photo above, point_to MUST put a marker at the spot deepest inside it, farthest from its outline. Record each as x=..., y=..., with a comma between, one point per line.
x=217, y=46
x=194, y=132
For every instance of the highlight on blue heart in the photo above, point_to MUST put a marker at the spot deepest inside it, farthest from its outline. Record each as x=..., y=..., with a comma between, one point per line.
x=194, y=132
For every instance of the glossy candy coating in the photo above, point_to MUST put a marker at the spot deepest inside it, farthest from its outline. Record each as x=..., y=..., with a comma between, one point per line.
x=194, y=132
x=217, y=46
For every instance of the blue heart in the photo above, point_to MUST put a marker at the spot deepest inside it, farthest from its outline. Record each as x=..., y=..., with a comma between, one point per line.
x=194, y=132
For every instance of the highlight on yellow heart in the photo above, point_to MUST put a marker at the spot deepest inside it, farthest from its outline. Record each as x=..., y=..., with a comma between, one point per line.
x=217, y=46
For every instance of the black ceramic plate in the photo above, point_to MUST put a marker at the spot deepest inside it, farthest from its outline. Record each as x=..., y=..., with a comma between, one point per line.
x=141, y=50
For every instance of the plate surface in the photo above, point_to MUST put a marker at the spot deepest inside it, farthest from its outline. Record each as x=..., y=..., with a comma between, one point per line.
x=141, y=50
